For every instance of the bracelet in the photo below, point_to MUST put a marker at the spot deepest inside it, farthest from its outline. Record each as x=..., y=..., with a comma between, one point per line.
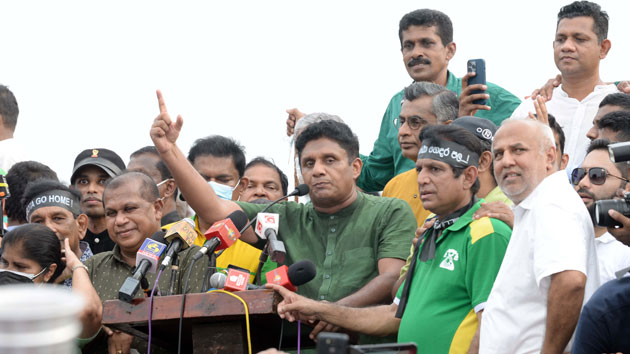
x=79, y=266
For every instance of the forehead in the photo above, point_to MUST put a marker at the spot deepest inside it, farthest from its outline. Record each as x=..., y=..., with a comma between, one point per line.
x=604, y=110
x=418, y=32
x=581, y=24
x=422, y=163
x=515, y=133
x=600, y=158
x=322, y=147
x=418, y=107
x=91, y=171
x=260, y=172
x=146, y=163
x=128, y=192
x=49, y=211
x=214, y=166
x=15, y=253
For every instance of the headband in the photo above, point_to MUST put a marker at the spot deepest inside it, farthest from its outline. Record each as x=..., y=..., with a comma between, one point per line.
x=56, y=197
x=449, y=152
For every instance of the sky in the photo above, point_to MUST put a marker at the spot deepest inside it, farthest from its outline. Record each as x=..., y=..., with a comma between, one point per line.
x=85, y=72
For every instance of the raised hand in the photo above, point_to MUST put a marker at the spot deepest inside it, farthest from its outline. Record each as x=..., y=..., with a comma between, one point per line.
x=466, y=97
x=541, y=111
x=164, y=132
x=547, y=90
x=294, y=116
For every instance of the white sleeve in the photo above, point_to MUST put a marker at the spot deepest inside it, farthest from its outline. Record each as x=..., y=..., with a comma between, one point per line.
x=523, y=109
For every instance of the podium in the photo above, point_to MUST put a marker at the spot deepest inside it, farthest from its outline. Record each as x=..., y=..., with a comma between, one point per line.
x=213, y=322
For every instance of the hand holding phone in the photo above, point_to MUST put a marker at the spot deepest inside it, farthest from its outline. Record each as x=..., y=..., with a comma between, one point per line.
x=474, y=96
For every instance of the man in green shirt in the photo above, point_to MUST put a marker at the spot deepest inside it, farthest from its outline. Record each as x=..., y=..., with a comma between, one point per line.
x=440, y=304
x=357, y=242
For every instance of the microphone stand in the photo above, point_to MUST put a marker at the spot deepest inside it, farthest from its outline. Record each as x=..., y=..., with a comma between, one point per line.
x=174, y=272
x=261, y=260
x=211, y=269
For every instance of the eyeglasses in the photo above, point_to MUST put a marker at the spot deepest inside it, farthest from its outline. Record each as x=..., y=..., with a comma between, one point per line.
x=597, y=175
x=413, y=122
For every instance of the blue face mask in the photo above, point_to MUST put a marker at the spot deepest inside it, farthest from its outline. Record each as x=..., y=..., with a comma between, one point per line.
x=223, y=191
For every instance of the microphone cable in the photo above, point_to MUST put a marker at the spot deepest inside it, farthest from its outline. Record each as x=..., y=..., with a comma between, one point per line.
x=151, y=307
x=249, y=338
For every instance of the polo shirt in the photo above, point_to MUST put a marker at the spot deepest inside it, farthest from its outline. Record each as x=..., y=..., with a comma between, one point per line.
x=575, y=117
x=345, y=246
x=405, y=187
x=604, y=325
x=386, y=159
x=612, y=256
x=447, y=291
x=552, y=233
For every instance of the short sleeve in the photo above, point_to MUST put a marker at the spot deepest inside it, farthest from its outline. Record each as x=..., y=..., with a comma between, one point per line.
x=251, y=210
x=398, y=229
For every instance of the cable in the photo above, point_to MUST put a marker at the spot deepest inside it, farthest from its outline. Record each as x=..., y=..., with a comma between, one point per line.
x=151, y=308
x=249, y=339
x=181, y=311
x=281, y=334
x=299, y=343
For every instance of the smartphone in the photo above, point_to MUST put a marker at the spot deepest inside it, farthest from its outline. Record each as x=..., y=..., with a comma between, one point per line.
x=332, y=343
x=477, y=66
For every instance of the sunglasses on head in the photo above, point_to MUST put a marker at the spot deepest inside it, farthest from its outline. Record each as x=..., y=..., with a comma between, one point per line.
x=597, y=175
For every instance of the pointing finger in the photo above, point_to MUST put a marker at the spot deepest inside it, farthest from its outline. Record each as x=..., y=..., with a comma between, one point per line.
x=161, y=102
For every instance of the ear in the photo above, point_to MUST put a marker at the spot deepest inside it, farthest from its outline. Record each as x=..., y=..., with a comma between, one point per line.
x=356, y=165
x=470, y=176
x=604, y=47
x=564, y=161
x=550, y=158
x=448, y=122
x=485, y=161
x=451, y=48
x=49, y=273
x=158, y=204
x=243, y=185
x=171, y=186
x=82, y=223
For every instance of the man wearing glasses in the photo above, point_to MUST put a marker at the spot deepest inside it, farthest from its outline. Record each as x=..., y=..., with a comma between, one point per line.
x=596, y=179
x=425, y=104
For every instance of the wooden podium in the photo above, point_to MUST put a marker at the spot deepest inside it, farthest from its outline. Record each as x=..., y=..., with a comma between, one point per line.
x=213, y=322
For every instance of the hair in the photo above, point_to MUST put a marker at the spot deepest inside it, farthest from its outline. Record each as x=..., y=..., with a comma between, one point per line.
x=618, y=99
x=588, y=9
x=18, y=177
x=165, y=173
x=39, y=244
x=602, y=144
x=444, y=105
x=457, y=135
x=284, y=181
x=8, y=108
x=545, y=138
x=35, y=188
x=219, y=146
x=428, y=18
x=314, y=118
x=618, y=122
x=148, y=189
x=557, y=129
x=336, y=131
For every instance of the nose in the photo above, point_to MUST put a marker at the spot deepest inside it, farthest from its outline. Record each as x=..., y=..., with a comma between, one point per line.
x=404, y=130
x=260, y=192
x=423, y=177
x=319, y=168
x=585, y=182
x=120, y=219
x=568, y=45
x=51, y=225
x=592, y=133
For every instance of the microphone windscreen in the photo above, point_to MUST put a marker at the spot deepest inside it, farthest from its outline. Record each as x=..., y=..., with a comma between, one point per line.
x=301, y=272
x=301, y=190
x=217, y=280
x=239, y=219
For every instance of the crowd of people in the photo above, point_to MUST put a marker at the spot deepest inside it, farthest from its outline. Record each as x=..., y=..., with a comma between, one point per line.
x=474, y=225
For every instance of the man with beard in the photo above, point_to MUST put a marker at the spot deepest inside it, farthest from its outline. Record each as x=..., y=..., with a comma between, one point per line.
x=596, y=179
x=92, y=169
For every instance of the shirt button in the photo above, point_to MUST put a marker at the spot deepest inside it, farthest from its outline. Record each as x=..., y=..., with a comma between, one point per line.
x=97, y=240
x=333, y=230
x=332, y=217
x=415, y=196
x=322, y=297
x=327, y=276
x=329, y=253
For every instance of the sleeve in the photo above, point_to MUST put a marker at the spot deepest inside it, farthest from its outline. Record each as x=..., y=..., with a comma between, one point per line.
x=378, y=167
x=251, y=210
x=502, y=104
x=398, y=227
x=557, y=248
x=523, y=109
x=483, y=258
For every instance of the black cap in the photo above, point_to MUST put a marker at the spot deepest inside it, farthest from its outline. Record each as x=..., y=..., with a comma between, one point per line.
x=106, y=159
x=483, y=128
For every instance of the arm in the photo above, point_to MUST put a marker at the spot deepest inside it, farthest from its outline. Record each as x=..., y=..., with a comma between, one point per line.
x=379, y=320
x=378, y=290
x=199, y=195
x=92, y=313
x=566, y=293
x=474, y=344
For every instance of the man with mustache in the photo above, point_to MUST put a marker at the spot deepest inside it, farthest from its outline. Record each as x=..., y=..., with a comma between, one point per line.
x=580, y=44
x=596, y=179
x=550, y=266
x=426, y=44
x=92, y=169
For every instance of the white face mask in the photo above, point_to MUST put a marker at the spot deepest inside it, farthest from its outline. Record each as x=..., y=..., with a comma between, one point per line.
x=223, y=191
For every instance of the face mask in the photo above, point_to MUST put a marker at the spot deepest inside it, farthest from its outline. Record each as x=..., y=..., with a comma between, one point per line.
x=8, y=277
x=223, y=191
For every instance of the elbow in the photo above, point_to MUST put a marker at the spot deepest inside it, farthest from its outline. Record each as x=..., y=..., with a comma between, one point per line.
x=91, y=317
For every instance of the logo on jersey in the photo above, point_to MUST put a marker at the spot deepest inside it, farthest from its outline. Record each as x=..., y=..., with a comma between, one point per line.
x=450, y=257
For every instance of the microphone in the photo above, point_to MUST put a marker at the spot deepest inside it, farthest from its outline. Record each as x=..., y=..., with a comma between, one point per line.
x=300, y=191
x=222, y=234
x=180, y=236
x=147, y=260
x=297, y=274
x=267, y=228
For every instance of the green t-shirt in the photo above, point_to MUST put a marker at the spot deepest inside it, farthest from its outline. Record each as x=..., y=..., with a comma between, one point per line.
x=344, y=246
x=386, y=160
x=440, y=316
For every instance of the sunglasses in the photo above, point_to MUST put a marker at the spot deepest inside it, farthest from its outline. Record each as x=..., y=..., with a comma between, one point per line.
x=597, y=175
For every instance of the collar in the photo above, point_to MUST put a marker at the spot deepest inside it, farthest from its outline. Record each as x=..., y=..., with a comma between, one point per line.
x=86, y=252
x=465, y=219
x=547, y=183
x=606, y=237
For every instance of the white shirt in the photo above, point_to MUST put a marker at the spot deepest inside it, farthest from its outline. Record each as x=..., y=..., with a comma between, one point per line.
x=612, y=255
x=575, y=117
x=552, y=233
x=11, y=152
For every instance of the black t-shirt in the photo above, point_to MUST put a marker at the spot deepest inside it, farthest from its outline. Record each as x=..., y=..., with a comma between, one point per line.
x=99, y=242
